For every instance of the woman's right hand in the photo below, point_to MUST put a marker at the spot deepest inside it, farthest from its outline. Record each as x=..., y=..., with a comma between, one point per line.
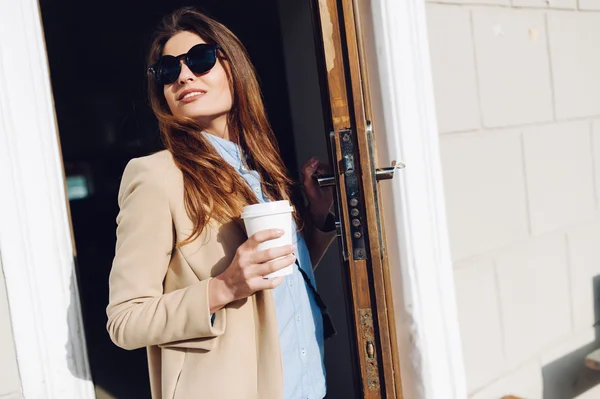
x=245, y=274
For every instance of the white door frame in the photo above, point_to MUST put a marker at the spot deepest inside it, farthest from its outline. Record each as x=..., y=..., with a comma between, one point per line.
x=36, y=246
x=414, y=212
x=35, y=236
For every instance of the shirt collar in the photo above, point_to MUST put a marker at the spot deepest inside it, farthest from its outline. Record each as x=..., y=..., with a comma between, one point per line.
x=228, y=150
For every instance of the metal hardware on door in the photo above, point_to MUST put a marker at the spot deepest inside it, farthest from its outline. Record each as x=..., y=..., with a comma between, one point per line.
x=380, y=173
x=388, y=173
x=367, y=334
x=324, y=181
x=370, y=350
x=347, y=167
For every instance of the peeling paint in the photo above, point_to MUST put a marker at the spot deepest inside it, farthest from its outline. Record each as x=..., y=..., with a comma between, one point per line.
x=327, y=28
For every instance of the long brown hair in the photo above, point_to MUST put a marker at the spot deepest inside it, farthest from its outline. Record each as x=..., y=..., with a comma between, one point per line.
x=212, y=188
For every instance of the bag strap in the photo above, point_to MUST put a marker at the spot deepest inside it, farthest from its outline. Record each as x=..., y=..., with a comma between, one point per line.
x=328, y=327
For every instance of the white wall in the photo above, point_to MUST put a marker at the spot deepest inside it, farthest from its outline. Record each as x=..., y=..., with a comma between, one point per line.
x=517, y=89
x=10, y=383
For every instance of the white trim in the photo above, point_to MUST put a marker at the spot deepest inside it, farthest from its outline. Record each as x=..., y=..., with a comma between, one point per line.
x=35, y=236
x=414, y=206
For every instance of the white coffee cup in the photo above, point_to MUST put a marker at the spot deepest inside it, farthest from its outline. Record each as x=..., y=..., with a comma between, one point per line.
x=271, y=215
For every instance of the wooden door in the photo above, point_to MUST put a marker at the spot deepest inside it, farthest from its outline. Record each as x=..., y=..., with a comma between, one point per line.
x=345, y=90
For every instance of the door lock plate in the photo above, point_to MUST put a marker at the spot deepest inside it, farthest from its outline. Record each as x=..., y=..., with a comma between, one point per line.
x=347, y=167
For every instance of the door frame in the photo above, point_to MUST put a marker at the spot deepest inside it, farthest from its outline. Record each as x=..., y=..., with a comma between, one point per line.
x=414, y=211
x=36, y=246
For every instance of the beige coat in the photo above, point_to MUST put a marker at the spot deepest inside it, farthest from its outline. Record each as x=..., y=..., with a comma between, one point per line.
x=159, y=296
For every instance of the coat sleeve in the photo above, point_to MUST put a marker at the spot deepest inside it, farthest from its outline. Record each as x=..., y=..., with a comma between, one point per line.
x=318, y=241
x=139, y=313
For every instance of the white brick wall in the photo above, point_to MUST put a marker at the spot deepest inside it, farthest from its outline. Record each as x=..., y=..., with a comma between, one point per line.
x=10, y=383
x=487, y=205
x=517, y=86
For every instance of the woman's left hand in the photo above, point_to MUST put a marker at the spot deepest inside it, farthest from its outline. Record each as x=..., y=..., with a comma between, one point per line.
x=320, y=199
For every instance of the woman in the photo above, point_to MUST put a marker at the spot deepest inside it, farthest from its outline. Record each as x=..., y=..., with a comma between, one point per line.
x=186, y=282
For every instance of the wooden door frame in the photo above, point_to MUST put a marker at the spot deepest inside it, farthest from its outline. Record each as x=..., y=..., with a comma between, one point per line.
x=36, y=246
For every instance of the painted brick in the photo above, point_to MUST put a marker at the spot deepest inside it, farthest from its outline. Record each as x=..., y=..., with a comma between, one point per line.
x=9, y=375
x=559, y=175
x=563, y=4
x=498, y=2
x=525, y=382
x=596, y=157
x=574, y=43
x=593, y=5
x=584, y=262
x=559, y=4
x=534, y=296
x=485, y=191
x=453, y=66
x=479, y=318
x=512, y=65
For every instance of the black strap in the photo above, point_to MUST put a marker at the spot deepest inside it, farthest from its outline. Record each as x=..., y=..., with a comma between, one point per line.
x=328, y=327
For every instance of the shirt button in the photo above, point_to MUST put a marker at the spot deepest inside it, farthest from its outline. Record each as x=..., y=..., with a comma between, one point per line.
x=298, y=318
x=244, y=168
x=257, y=189
x=291, y=283
x=303, y=352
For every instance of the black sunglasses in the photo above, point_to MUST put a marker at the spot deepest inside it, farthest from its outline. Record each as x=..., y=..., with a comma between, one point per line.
x=200, y=59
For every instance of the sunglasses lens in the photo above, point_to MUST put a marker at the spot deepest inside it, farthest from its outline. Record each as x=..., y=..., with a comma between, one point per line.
x=168, y=69
x=201, y=58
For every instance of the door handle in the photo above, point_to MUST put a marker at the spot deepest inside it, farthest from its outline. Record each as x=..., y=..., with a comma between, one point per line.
x=388, y=173
x=346, y=167
x=380, y=173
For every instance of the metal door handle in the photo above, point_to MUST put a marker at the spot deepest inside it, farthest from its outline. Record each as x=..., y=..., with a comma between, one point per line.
x=380, y=173
x=388, y=173
x=324, y=181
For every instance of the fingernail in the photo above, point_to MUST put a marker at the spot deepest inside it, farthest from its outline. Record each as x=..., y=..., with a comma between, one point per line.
x=292, y=248
x=280, y=232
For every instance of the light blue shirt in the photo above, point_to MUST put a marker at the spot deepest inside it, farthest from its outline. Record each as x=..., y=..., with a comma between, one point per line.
x=299, y=319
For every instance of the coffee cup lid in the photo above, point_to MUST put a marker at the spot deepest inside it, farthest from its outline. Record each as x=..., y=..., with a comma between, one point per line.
x=266, y=208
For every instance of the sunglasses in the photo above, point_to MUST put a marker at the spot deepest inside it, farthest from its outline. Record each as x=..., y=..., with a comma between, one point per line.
x=200, y=59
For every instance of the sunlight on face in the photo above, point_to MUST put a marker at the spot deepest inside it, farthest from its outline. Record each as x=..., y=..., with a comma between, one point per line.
x=204, y=97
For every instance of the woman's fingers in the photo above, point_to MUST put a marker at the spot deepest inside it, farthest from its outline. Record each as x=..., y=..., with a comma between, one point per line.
x=264, y=269
x=259, y=237
x=309, y=169
x=272, y=253
x=268, y=284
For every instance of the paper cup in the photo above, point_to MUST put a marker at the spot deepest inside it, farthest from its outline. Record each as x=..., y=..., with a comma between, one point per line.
x=271, y=215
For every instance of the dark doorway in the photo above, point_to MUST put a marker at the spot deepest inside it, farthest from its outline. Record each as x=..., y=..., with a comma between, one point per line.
x=97, y=64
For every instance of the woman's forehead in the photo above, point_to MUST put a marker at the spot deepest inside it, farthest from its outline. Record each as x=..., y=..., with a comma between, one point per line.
x=181, y=42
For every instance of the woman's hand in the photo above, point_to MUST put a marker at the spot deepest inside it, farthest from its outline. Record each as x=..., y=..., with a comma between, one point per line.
x=245, y=274
x=320, y=199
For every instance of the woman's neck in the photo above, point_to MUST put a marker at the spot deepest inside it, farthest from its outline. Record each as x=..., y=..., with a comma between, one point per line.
x=218, y=127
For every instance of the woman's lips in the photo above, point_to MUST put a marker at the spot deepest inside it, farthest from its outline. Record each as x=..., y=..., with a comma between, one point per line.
x=192, y=96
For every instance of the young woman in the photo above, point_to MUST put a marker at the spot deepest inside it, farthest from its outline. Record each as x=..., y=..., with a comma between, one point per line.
x=186, y=282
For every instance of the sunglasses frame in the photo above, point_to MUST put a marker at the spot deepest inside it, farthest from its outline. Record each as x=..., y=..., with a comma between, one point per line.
x=154, y=68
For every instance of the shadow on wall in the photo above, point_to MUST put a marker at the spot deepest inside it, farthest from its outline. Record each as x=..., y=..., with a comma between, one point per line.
x=568, y=377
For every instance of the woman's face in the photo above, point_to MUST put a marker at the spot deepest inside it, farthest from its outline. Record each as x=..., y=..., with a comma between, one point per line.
x=207, y=96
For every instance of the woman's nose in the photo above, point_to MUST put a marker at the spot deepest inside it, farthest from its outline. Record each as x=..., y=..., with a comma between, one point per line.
x=186, y=74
